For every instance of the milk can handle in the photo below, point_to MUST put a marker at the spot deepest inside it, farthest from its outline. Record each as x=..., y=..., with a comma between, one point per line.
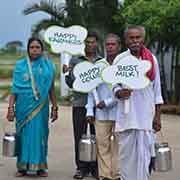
x=96, y=97
x=12, y=125
x=113, y=134
x=88, y=130
x=161, y=137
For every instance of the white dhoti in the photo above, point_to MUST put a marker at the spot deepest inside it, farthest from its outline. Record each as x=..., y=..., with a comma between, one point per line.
x=135, y=153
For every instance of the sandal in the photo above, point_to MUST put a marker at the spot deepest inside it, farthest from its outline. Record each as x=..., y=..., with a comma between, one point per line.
x=78, y=175
x=42, y=173
x=20, y=173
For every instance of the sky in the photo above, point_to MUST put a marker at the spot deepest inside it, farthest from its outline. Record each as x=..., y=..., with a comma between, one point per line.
x=13, y=24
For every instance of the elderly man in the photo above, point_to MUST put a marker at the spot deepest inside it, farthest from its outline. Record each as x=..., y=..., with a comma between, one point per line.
x=104, y=117
x=136, y=127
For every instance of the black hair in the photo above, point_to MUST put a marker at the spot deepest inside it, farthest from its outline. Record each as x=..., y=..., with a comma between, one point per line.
x=34, y=39
x=93, y=34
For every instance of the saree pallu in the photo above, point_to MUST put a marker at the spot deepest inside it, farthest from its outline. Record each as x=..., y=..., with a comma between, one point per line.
x=32, y=115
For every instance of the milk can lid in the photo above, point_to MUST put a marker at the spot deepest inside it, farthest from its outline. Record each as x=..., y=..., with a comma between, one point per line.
x=9, y=133
x=163, y=144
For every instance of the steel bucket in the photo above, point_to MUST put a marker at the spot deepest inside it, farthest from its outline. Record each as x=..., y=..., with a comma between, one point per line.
x=87, y=147
x=163, y=159
x=9, y=145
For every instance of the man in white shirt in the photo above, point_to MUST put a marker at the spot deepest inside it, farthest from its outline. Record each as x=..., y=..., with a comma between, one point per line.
x=135, y=128
x=104, y=113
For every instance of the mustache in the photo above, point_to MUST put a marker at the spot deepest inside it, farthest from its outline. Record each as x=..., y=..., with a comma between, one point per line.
x=136, y=44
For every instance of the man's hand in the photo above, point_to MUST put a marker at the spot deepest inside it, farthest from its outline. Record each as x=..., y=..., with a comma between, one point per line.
x=101, y=105
x=90, y=119
x=157, y=124
x=66, y=68
x=123, y=93
x=157, y=119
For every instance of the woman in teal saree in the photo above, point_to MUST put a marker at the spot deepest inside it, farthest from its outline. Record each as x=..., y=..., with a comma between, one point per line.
x=32, y=87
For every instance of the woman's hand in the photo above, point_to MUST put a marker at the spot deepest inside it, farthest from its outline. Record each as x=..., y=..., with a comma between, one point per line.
x=54, y=113
x=10, y=114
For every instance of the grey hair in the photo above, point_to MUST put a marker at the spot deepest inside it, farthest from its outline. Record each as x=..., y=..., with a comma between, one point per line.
x=140, y=28
x=115, y=36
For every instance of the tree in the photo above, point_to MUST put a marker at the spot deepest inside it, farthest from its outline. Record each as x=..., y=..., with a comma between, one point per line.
x=55, y=11
x=92, y=14
x=171, y=26
x=159, y=17
x=14, y=46
x=163, y=31
x=89, y=13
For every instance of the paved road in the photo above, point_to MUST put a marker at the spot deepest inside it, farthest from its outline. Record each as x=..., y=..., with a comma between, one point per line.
x=61, y=165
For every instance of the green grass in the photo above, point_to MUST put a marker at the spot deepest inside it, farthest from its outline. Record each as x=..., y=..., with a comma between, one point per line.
x=5, y=87
x=16, y=56
x=9, y=56
x=5, y=72
x=5, y=90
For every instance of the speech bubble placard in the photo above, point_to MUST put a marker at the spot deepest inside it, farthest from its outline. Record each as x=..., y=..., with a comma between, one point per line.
x=87, y=75
x=69, y=40
x=129, y=71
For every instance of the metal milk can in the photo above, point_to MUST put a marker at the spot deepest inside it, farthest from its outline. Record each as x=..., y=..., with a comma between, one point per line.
x=9, y=144
x=163, y=159
x=87, y=147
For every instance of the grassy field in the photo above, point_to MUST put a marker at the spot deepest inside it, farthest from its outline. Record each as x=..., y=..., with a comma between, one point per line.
x=10, y=56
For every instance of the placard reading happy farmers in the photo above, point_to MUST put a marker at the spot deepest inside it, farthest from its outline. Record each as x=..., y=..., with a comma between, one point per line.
x=129, y=71
x=69, y=40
